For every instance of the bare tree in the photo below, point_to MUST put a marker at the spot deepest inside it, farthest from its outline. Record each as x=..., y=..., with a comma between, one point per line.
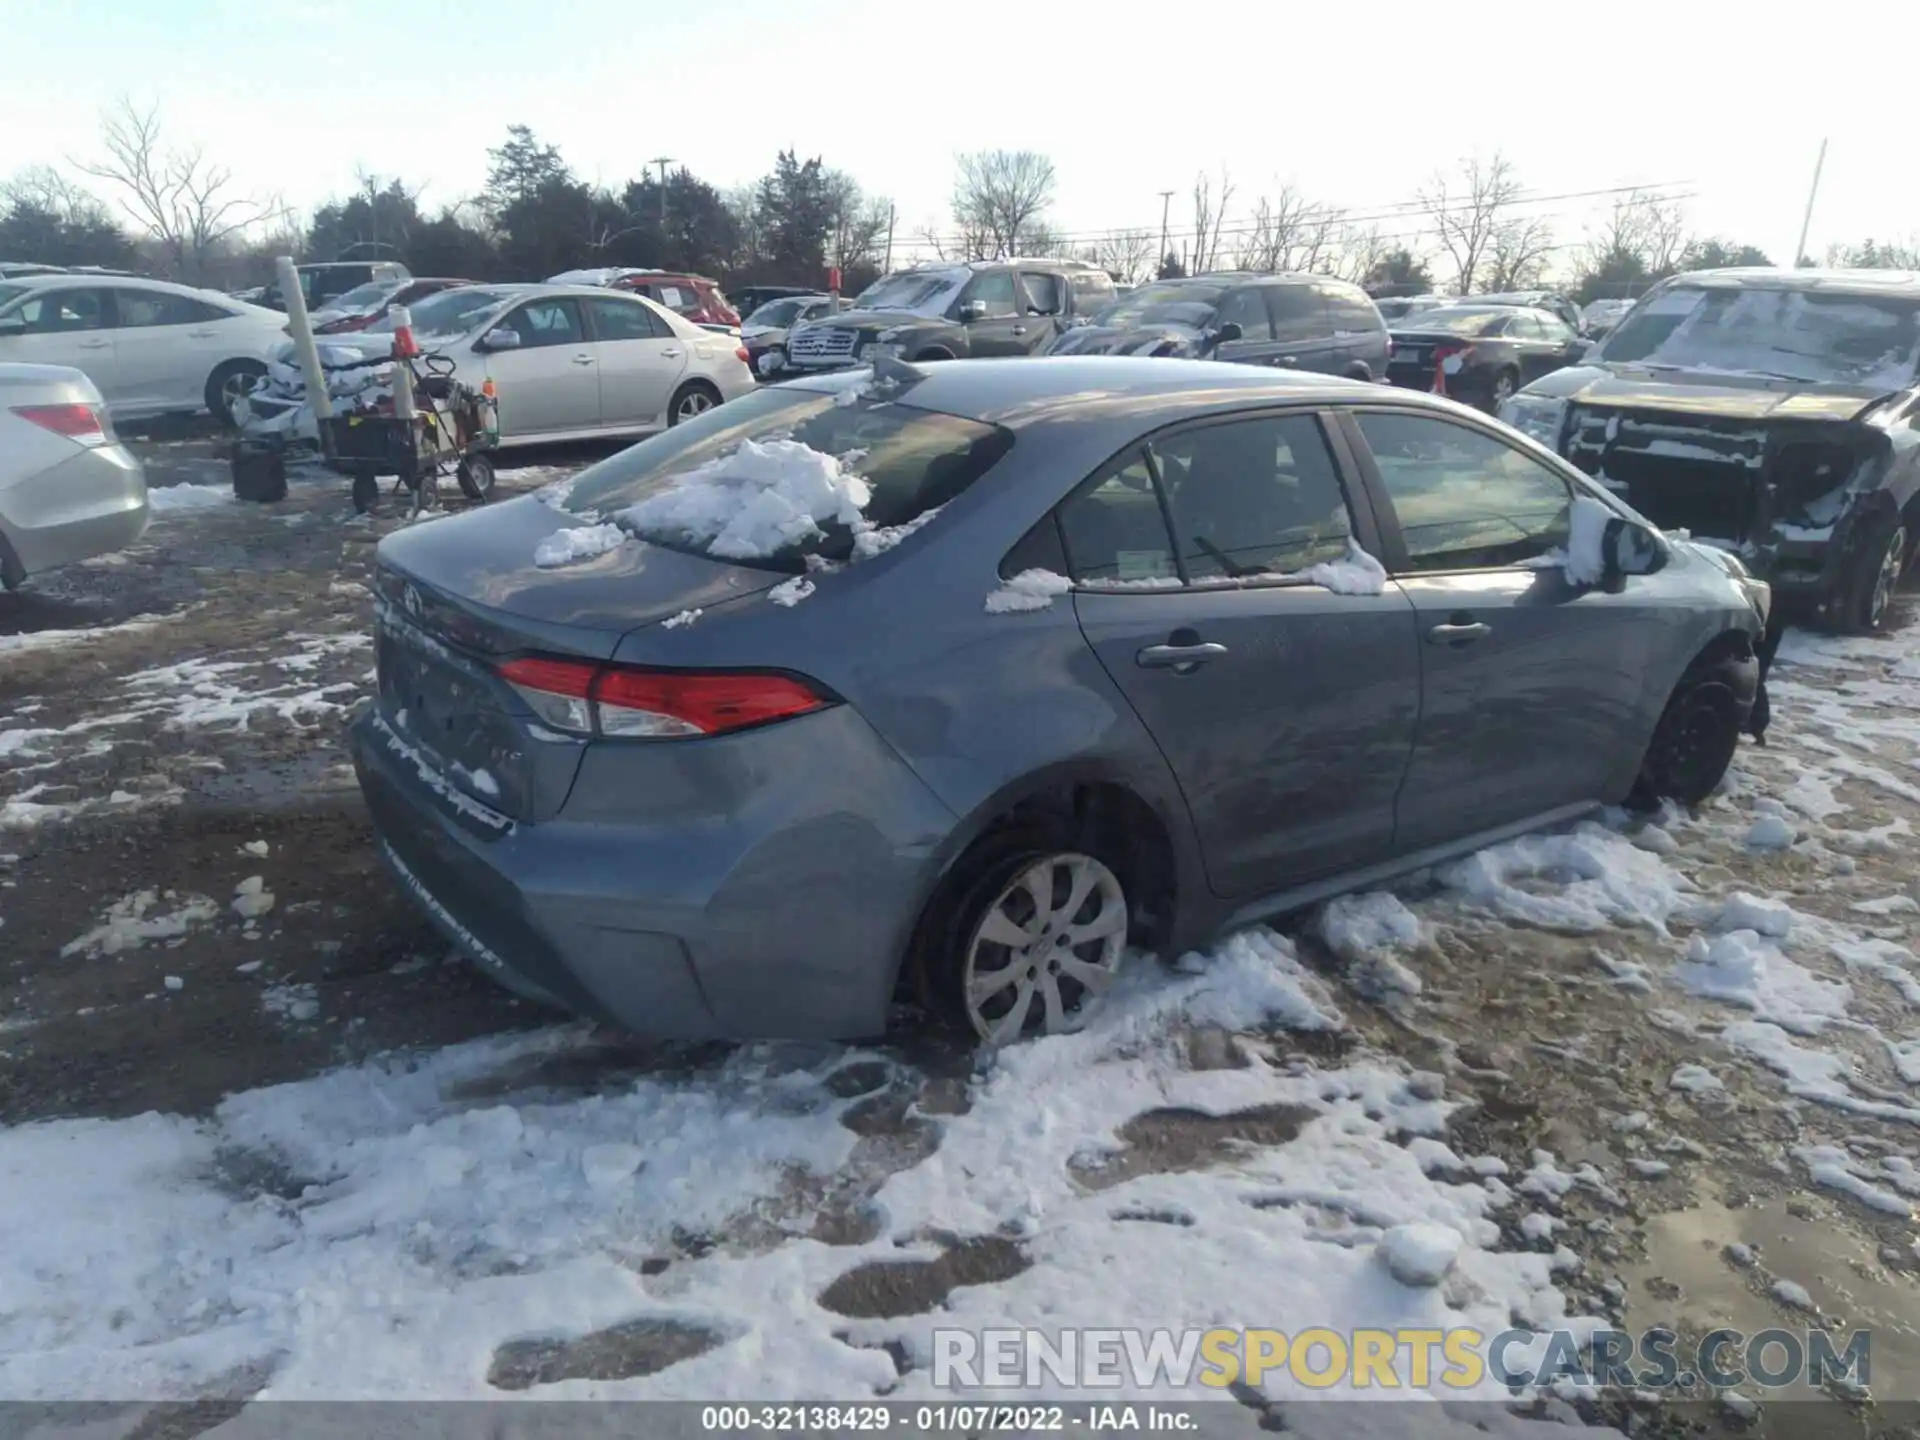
x=1280, y=223
x=1467, y=210
x=1209, y=215
x=1359, y=249
x=999, y=196
x=185, y=203
x=1126, y=254
x=1516, y=255
x=1648, y=228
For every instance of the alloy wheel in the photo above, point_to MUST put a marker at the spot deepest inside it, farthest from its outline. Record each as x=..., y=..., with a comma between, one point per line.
x=1045, y=949
x=236, y=387
x=1502, y=390
x=1887, y=581
x=694, y=402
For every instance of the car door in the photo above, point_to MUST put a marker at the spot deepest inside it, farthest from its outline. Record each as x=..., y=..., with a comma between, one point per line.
x=1247, y=308
x=1044, y=303
x=1531, y=685
x=1358, y=331
x=639, y=360
x=67, y=325
x=550, y=383
x=1302, y=331
x=998, y=328
x=166, y=346
x=1558, y=345
x=1286, y=711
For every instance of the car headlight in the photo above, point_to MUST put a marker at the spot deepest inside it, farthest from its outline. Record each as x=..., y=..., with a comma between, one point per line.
x=1538, y=417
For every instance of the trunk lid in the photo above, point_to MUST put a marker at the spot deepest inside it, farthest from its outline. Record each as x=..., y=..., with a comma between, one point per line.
x=454, y=598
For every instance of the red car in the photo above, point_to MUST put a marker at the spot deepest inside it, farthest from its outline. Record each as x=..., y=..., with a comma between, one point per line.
x=693, y=296
x=361, y=306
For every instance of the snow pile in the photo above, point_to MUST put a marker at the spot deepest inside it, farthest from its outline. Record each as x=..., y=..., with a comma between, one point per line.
x=791, y=592
x=251, y=898
x=1742, y=968
x=759, y=499
x=1366, y=931
x=131, y=921
x=164, y=498
x=564, y=547
x=1358, y=574
x=291, y=1002
x=1600, y=879
x=1421, y=1254
x=1029, y=590
x=683, y=619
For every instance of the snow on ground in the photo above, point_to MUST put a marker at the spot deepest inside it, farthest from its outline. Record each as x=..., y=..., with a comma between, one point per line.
x=164, y=499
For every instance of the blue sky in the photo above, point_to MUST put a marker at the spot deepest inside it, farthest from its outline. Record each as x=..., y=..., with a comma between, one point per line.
x=1356, y=105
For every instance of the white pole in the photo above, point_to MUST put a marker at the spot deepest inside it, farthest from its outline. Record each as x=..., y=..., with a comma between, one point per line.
x=303, y=347
x=1807, y=221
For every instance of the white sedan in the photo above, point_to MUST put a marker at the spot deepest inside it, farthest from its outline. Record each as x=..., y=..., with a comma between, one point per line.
x=569, y=362
x=150, y=348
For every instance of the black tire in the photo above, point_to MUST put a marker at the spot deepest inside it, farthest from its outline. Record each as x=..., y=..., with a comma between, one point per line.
x=926, y=357
x=260, y=478
x=366, y=491
x=1864, y=596
x=1694, y=743
x=692, y=399
x=947, y=933
x=227, y=383
x=475, y=474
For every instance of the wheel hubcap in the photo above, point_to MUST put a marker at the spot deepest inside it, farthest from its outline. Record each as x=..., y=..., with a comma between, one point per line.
x=1048, y=946
x=235, y=388
x=1888, y=580
x=694, y=404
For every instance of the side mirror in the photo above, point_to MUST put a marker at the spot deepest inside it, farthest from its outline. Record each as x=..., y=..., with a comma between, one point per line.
x=500, y=338
x=1229, y=331
x=973, y=310
x=1631, y=549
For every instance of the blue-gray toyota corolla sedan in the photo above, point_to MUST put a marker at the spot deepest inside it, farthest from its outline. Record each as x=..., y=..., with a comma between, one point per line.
x=977, y=675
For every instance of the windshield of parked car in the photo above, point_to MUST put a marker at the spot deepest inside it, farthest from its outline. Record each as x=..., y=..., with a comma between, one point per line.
x=451, y=312
x=776, y=314
x=1460, y=322
x=10, y=293
x=1190, y=305
x=367, y=296
x=1819, y=338
x=925, y=292
x=782, y=476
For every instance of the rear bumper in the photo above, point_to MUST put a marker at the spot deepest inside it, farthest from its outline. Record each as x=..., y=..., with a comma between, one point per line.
x=91, y=504
x=783, y=917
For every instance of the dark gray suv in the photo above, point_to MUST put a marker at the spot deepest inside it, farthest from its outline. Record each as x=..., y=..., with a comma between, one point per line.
x=983, y=671
x=1291, y=322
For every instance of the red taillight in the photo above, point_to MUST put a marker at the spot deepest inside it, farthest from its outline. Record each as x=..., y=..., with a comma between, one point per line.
x=619, y=700
x=82, y=424
x=742, y=355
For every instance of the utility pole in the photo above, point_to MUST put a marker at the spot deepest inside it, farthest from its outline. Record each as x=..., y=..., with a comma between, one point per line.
x=662, y=161
x=887, y=267
x=1166, y=199
x=1812, y=190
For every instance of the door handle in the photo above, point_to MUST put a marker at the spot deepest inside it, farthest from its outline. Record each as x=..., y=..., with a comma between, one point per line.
x=198, y=334
x=583, y=359
x=93, y=344
x=1179, y=657
x=1458, y=634
x=1019, y=329
x=670, y=354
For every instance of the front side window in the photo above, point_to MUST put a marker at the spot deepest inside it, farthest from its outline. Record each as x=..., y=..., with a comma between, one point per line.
x=545, y=322
x=994, y=290
x=1254, y=497
x=1043, y=292
x=1464, y=500
x=1249, y=310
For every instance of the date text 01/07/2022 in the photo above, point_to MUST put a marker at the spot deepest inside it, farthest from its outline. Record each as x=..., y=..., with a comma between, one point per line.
x=956, y=1418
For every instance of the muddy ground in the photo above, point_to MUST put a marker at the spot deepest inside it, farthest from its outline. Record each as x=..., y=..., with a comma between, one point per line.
x=203, y=722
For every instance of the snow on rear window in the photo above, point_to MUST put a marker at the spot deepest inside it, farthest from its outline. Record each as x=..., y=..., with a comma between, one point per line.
x=784, y=478
x=1871, y=341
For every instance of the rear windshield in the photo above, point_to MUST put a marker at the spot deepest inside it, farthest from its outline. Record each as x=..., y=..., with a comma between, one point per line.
x=780, y=477
x=1866, y=340
x=1460, y=322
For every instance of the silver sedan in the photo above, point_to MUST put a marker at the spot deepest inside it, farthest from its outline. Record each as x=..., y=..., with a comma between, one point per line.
x=68, y=488
x=571, y=362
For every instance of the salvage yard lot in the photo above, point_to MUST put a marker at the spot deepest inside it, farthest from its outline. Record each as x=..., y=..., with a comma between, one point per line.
x=299, y=1150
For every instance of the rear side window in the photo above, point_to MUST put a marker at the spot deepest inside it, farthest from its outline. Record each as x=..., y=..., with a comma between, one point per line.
x=1254, y=497
x=1114, y=527
x=1351, y=313
x=545, y=322
x=1298, y=312
x=1043, y=292
x=623, y=320
x=140, y=308
x=1464, y=500
x=1092, y=291
x=710, y=485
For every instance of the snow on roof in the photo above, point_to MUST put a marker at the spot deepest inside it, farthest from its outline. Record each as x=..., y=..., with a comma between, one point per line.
x=603, y=275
